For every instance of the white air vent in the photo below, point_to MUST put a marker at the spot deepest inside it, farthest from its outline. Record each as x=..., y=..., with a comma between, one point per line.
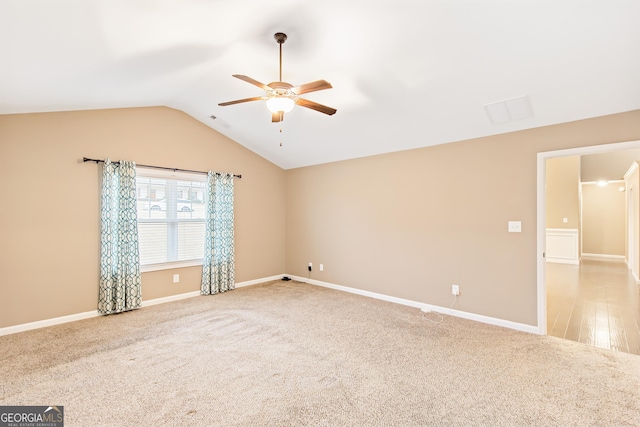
x=509, y=110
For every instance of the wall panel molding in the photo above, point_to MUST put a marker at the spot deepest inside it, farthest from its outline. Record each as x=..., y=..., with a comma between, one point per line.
x=562, y=246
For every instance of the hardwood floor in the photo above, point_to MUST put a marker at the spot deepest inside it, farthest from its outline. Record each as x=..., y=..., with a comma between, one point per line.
x=596, y=303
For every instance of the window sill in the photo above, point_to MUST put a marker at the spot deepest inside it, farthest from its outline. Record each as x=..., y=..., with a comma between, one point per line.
x=170, y=265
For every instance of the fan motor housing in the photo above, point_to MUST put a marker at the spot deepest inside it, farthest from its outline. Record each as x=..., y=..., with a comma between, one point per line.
x=280, y=85
x=282, y=89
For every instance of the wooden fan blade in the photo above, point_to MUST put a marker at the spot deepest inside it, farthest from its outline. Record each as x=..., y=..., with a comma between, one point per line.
x=312, y=87
x=255, y=98
x=315, y=106
x=252, y=81
x=277, y=117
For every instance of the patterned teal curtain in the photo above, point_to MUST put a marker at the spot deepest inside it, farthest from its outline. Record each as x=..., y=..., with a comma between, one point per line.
x=218, y=267
x=120, y=286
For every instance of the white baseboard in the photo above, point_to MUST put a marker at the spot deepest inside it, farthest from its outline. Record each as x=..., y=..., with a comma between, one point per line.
x=562, y=261
x=258, y=281
x=605, y=256
x=451, y=312
x=89, y=314
x=170, y=298
x=47, y=322
x=457, y=313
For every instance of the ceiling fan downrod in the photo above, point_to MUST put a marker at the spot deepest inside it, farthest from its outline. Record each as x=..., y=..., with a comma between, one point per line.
x=280, y=38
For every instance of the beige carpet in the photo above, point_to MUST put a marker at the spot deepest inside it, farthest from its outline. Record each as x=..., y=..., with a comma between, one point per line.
x=291, y=354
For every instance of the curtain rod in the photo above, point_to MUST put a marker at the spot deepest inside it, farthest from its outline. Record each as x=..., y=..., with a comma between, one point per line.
x=86, y=159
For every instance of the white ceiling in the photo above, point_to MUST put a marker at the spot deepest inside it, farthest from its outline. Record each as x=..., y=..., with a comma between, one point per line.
x=406, y=74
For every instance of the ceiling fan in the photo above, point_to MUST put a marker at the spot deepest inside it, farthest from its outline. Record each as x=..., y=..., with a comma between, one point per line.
x=281, y=96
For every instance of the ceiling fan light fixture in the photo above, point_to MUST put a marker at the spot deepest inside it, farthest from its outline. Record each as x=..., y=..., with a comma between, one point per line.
x=278, y=104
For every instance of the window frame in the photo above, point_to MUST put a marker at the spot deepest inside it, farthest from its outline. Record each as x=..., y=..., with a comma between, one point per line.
x=143, y=172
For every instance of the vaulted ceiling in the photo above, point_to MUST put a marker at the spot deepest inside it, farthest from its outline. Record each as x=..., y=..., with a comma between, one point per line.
x=405, y=73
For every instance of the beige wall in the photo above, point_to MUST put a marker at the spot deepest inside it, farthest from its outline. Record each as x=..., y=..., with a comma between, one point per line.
x=563, y=189
x=603, y=219
x=49, y=209
x=405, y=224
x=411, y=224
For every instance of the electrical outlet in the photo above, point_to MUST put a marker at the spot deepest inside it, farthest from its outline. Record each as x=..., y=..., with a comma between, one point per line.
x=310, y=266
x=455, y=289
x=321, y=267
x=176, y=278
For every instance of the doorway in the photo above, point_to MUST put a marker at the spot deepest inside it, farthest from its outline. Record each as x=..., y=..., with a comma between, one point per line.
x=572, y=272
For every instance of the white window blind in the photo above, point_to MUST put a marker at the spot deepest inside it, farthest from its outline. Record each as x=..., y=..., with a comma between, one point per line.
x=171, y=218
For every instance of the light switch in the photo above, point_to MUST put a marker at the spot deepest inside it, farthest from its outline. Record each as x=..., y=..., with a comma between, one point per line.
x=565, y=220
x=515, y=226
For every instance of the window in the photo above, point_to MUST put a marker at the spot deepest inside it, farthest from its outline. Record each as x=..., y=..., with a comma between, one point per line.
x=171, y=218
